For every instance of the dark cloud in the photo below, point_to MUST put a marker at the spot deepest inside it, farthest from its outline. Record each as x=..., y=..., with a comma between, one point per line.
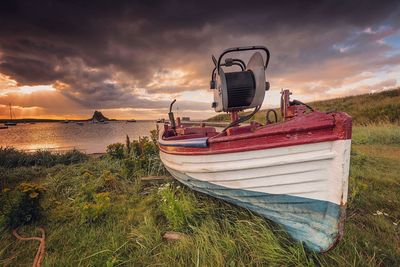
x=29, y=71
x=100, y=52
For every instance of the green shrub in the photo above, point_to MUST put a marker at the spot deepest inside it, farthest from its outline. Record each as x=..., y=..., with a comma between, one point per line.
x=128, y=145
x=22, y=205
x=12, y=158
x=116, y=150
x=97, y=209
x=109, y=182
x=71, y=157
x=129, y=169
x=140, y=157
x=154, y=137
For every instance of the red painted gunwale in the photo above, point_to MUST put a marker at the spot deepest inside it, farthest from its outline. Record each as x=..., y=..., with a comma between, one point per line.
x=311, y=128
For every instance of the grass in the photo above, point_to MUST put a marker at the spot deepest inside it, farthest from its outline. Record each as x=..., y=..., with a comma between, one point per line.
x=97, y=213
x=382, y=107
x=376, y=134
x=11, y=158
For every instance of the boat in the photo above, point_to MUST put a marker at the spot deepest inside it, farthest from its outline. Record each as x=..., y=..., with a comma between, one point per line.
x=10, y=122
x=65, y=121
x=293, y=171
x=3, y=127
x=80, y=123
x=131, y=120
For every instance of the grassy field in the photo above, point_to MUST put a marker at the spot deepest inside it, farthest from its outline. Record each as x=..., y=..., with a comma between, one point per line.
x=382, y=107
x=96, y=212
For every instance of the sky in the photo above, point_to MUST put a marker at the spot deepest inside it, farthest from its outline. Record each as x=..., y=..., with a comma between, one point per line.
x=129, y=59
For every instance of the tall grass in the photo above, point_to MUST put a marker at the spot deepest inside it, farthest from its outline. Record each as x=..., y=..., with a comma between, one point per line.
x=129, y=229
x=96, y=214
x=12, y=158
x=382, y=107
x=383, y=134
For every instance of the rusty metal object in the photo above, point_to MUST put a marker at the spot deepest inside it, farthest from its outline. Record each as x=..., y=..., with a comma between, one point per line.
x=37, y=262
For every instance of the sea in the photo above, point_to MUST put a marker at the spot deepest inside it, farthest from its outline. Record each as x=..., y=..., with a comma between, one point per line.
x=59, y=136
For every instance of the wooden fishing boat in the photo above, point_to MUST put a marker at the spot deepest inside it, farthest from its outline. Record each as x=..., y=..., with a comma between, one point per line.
x=293, y=172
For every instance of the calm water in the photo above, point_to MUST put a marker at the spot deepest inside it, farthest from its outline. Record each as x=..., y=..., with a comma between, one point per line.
x=90, y=138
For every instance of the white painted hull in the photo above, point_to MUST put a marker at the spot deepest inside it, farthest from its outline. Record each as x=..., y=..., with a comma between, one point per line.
x=317, y=171
x=316, y=174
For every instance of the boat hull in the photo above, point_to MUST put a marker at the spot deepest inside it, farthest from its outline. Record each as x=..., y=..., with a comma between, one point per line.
x=301, y=187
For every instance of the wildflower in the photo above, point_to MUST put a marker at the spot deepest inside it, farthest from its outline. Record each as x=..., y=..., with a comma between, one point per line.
x=395, y=223
x=33, y=195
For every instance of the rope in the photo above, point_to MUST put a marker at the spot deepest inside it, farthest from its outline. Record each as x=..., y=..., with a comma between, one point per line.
x=40, y=252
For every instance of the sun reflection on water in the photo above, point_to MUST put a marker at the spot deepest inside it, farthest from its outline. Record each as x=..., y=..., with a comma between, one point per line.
x=89, y=138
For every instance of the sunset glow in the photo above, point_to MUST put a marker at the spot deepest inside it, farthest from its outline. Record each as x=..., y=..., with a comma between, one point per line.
x=132, y=66
x=29, y=89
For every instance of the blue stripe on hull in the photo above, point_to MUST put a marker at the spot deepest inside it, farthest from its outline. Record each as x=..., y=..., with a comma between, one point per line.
x=195, y=142
x=313, y=222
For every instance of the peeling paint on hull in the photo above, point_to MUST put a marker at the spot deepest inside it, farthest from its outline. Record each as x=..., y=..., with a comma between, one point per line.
x=302, y=188
x=313, y=222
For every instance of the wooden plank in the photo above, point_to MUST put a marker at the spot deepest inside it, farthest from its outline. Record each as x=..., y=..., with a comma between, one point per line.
x=155, y=179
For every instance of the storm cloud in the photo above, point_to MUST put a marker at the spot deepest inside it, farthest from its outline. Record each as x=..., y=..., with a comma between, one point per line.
x=137, y=55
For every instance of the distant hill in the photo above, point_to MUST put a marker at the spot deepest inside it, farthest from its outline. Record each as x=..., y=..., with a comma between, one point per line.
x=28, y=120
x=98, y=116
x=367, y=108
